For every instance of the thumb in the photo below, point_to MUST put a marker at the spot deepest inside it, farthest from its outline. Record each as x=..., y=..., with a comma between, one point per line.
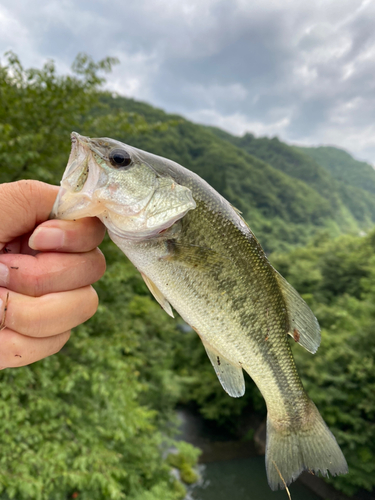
x=24, y=205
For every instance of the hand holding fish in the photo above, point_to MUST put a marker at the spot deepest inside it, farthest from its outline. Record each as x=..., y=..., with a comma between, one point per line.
x=46, y=269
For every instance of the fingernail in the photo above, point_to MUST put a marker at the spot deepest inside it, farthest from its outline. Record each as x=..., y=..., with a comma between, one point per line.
x=4, y=275
x=47, y=238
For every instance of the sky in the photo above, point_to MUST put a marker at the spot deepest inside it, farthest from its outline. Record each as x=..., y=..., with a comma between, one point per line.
x=303, y=71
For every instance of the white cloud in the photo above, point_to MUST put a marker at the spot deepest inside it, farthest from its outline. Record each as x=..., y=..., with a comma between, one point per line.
x=303, y=71
x=239, y=124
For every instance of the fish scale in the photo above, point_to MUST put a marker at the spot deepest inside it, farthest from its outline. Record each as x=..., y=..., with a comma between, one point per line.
x=198, y=255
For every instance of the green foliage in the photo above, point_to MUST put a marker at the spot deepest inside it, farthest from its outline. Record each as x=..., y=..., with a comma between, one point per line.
x=343, y=167
x=338, y=279
x=349, y=201
x=185, y=459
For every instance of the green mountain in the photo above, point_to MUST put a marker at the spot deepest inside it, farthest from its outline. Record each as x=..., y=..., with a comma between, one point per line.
x=343, y=167
x=347, y=198
x=284, y=194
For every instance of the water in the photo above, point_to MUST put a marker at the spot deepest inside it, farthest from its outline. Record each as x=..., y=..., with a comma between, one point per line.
x=226, y=472
x=242, y=479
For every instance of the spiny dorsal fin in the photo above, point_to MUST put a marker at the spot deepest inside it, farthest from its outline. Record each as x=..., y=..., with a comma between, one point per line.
x=229, y=375
x=158, y=295
x=236, y=209
x=303, y=325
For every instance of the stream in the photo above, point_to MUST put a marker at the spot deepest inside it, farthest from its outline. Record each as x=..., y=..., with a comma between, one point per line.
x=231, y=469
x=242, y=479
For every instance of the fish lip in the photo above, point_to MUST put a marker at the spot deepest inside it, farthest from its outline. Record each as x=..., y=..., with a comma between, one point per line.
x=64, y=206
x=77, y=141
x=86, y=142
x=75, y=136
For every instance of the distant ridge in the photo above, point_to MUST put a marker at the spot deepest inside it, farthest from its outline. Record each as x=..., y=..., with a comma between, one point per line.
x=343, y=167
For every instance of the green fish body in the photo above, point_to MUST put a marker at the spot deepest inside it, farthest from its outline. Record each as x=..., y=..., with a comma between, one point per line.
x=197, y=254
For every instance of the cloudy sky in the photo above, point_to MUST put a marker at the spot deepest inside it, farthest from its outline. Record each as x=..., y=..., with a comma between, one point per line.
x=304, y=71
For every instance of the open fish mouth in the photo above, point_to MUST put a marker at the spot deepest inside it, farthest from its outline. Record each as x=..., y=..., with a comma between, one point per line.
x=75, y=199
x=108, y=179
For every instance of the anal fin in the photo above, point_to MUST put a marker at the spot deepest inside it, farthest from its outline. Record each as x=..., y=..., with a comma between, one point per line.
x=229, y=375
x=158, y=295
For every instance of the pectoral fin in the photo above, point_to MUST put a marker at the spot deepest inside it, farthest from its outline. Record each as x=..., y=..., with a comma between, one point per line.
x=303, y=325
x=230, y=375
x=158, y=295
x=192, y=255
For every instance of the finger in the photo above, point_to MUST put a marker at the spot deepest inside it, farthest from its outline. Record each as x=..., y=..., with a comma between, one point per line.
x=24, y=205
x=51, y=272
x=19, y=350
x=68, y=236
x=50, y=314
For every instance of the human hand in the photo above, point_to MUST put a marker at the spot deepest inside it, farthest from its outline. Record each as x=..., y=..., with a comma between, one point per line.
x=46, y=269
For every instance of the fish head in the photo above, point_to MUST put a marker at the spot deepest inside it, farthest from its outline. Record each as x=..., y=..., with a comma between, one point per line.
x=120, y=185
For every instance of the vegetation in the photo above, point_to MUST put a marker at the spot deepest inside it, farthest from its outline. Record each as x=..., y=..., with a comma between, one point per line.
x=185, y=459
x=337, y=278
x=348, y=199
x=343, y=167
x=97, y=420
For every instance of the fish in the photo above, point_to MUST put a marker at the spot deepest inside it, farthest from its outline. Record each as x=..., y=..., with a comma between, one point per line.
x=198, y=256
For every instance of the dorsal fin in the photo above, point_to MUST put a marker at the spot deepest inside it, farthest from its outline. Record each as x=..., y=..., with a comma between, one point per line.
x=302, y=324
x=236, y=209
x=229, y=375
x=158, y=295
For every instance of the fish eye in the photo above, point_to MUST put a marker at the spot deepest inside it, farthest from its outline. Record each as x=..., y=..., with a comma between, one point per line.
x=119, y=158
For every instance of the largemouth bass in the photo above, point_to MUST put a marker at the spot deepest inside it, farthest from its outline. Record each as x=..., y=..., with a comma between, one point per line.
x=197, y=255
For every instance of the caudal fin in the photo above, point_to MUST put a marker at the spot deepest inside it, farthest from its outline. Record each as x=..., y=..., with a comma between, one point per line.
x=311, y=446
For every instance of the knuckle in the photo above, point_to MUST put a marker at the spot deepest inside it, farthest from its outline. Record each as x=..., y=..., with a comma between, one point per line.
x=33, y=322
x=34, y=282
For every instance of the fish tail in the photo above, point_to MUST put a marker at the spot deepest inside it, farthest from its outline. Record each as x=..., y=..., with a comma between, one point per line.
x=311, y=446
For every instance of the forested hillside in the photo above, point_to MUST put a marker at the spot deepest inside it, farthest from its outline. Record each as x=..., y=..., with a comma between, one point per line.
x=347, y=198
x=96, y=420
x=343, y=167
